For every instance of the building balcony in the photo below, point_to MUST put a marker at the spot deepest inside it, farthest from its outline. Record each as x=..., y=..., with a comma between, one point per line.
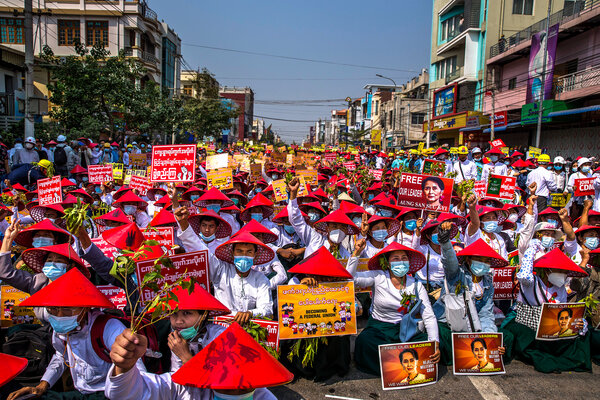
x=578, y=84
x=145, y=56
x=455, y=75
x=457, y=38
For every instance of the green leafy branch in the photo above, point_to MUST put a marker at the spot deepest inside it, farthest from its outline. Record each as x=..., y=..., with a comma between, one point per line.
x=308, y=347
x=75, y=216
x=591, y=305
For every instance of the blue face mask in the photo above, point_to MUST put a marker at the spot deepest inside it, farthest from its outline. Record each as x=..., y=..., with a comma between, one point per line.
x=214, y=207
x=479, y=268
x=385, y=213
x=558, y=167
x=54, y=270
x=313, y=216
x=585, y=169
x=42, y=242
x=399, y=268
x=258, y=190
x=243, y=263
x=380, y=235
x=98, y=190
x=591, y=243
x=547, y=241
x=434, y=239
x=552, y=222
x=410, y=224
x=371, y=196
x=574, y=169
x=189, y=333
x=235, y=200
x=289, y=229
x=207, y=238
x=129, y=209
x=490, y=226
x=194, y=197
x=63, y=324
x=357, y=221
x=256, y=216
x=222, y=396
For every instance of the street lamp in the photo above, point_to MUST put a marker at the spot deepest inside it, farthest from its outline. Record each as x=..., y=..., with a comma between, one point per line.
x=385, y=77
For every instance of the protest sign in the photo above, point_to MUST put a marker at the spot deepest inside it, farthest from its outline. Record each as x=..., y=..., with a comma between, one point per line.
x=141, y=184
x=584, y=187
x=479, y=189
x=289, y=160
x=138, y=160
x=501, y=187
x=303, y=190
x=279, y=157
x=127, y=178
x=477, y=353
x=535, y=151
x=310, y=176
x=349, y=165
x=376, y=174
x=559, y=200
x=272, y=328
x=221, y=180
x=324, y=310
x=425, y=192
x=279, y=190
x=100, y=174
x=330, y=157
x=162, y=234
x=117, y=171
x=498, y=143
x=193, y=264
x=49, y=191
x=106, y=248
x=504, y=285
x=407, y=365
x=173, y=163
x=434, y=167
x=217, y=161
x=12, y=314
x=558, y=321
x=255, y=172
x=115, y=295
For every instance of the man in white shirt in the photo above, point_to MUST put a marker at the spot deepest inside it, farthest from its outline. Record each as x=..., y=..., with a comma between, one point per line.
x=496, y=166
x=465, y=169
x=544, y=179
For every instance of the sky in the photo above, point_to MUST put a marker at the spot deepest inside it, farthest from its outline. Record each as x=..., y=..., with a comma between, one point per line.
x=392, y=37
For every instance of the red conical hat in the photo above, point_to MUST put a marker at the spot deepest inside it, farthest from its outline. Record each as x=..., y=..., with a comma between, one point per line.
x=186, y=195
x=320, y=194
x=242, y=197
x=482, y=249
x=25, y=237
x=151, y=193
x=164, y=218
x=457, y=219
x=393, y=225
x=68, y=201
x=84, y=195
x=70, y=290
x=164, y=202
x=375, y=187
x=19, y=187
x=351, y=208
x=31, y=195
x=261, y=201
x=500, y=214
x=314, y=205
x=67, y=183
x=494, y=150
x=283, y=216
x=520, y=209
x=257, y=229
x=321, y=263
x=415, y=257
x=121, y=192
x=214, y=194
x=440, y=151
x=116, y=215
x=78, y=170
x=233, y=360
x=497, y=203
x=36, y=257
x=11, y=367
x=340, y=217
x=519, y=164
x=127, y=237
x=389, y=204
x=556, y=259
x=130, y=197
x=223, y=227
x=38, y=213
x=28, y=206
x=264, y=254
x=200, y=299
x=230, y=210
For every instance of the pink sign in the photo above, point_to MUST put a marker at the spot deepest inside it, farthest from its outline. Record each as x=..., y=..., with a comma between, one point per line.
x=100, y=173
x=425, y=192
x=479, y=188
x=173, y=163
x=350, y=166
x=376, y=174
x=141, y=184
x=49, y=191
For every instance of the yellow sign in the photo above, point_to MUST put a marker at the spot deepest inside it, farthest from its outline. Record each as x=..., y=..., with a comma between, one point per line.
x=220, y=179
x=310, y=176
x=302, y=190
x=127, y=177
x=504, y=150
x=289, y=160
x=376, y=137
x=280, y=190
x=325, y=310
x=12, y=314
x=117, y=171
x=420, y=147
x=137, y=160
x=255, y=172
x=217, y=161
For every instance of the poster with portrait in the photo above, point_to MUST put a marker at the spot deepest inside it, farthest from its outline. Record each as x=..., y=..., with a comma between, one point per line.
x=407, y=365
x=12, y=314
x=560, y=321
x=324, y=310
x=477, y=353
x=425, y=192
x=220, y=179
x=279, y=190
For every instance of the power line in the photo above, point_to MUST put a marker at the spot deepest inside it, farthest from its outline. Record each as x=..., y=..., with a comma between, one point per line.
x=286, y=120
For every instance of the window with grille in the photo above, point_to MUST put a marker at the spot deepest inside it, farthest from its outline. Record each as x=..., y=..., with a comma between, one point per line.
x=523, y=7
x=512, y=83
x=11, y=31
x=69, y=32
x=96, y=32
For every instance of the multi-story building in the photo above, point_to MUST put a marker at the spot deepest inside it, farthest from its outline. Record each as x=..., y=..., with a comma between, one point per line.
x=188, y=85
x=244, y=98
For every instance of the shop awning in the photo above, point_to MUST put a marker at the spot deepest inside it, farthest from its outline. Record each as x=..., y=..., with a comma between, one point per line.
x=502, y=128
x=574, y=111
x=471, y=128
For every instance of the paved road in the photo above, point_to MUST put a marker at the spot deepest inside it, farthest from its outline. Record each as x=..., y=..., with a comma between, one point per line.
x=520, y=382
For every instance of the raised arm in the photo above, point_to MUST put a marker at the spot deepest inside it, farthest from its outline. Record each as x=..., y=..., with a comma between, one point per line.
x=474, y=224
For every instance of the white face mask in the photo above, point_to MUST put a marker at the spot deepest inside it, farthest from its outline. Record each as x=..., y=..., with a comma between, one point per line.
x=513, y=217
x=558, y=279
x=337, y=235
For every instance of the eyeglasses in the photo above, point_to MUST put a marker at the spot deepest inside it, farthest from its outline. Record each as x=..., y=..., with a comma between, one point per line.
x=66, y=311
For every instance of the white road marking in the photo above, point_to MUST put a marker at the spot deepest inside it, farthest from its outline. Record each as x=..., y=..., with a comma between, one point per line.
x=487, y=388
x=340, y=397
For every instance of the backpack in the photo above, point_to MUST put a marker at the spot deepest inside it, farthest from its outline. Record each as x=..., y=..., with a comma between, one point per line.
x=34, y=344
x=60, y=156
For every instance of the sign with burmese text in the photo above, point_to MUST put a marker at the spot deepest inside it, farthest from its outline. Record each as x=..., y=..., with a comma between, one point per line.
x=407, y=365
x=477, y=353
x=115, y=295
x=162, y=234
x=501, y=187
x=173, y=163
x=560, y=321
x=193, y=264
x=425, y=192
x=49, y=191
x=100, y=174
x=325, y=310
x=272, y=328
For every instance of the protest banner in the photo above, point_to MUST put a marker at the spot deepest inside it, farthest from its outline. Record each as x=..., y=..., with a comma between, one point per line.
x=289, y=160
x=310, y=176
x=217, y=161
x=434, y=167
x=162, y=234
x=173, y=163
x=100, y=174
x=331, y=157
x=115, y=295
x=279, y=190
x=407, y=365
x=49, y=191
x=222, y=179
x=534, y=152
x=193, y=264
x=350, y=165
x=504, y=285
x=278, y=157
x=584, y=187
x=477, y=353
x=479, y=189
x=272, y=328
x=559, y=200
x=13, y=314
x=138, y=160
x=117, y=171
x=127, y=178
x=497, y=143
x=376, y=173
x=255, y=172
x=559, y=321
x=303, y=190
x=141, y=184
x=324, y=310
x=425, y=192
x=501, y=187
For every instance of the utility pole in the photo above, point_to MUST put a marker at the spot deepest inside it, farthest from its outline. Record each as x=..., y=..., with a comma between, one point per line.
x=492, y=94
x=538, y=133
x=408, y=123
x=29, y=126
x=429, y=119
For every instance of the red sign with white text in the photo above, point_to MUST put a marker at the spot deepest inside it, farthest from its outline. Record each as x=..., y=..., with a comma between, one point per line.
x=584, y=187
x=173, y=163
x=162, y=234
x=49, y=191
x=100, y=173
x=140, y=183
x=504, y=284
x=271, y=326
x=350, y=166
x=500, y=119
x=501, y=187
x=497, y=143
x=115, y=295
x=376, y=174
x=425, y=192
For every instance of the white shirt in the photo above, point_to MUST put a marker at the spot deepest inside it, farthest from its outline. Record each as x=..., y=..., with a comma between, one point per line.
x=280, y=276
x=496, y=168
x=465, y=170
x=596, y=206
x=434, y=260
x=497, y=243
x=544, y=179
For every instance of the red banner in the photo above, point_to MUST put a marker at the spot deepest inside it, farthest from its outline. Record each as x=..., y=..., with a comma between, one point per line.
x=376, y=174
x=500, y=119
x=497, y=143
x=479, y=188
x=330, y=157
x=501, y=187
x=100, y=173
x=162, y=234
x=115, y=295
x=49, y=191
x=173, y=163
x=140, y=183
x=350, y=166
x=584, y=187
x=271, y=326
x=504, y=283
x=190, y=264
x=425, y=192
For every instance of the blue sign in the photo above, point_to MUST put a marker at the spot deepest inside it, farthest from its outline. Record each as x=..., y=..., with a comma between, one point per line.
x=444, y=101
